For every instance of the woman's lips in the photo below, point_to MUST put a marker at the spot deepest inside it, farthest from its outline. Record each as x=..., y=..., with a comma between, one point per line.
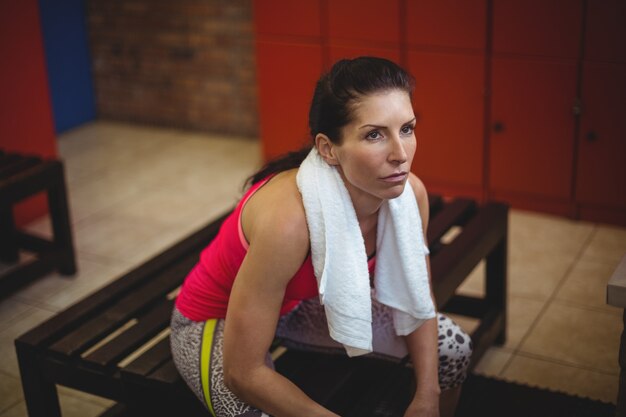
x=399, y=177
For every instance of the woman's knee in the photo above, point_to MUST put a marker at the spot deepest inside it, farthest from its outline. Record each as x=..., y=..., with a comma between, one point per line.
x=455, y=351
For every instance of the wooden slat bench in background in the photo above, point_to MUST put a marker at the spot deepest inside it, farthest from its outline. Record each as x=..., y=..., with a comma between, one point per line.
x=115, y=342
x=21, y=177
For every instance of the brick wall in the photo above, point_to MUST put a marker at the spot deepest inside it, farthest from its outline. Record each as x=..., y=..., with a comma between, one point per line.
x=184, y=63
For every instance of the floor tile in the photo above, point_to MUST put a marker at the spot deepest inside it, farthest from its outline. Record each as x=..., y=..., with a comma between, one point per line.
x=56, y=292
x=10, y=391
x=18, y=410
x=70, y=407
x=538, y=276
x=493, y=362
x=540, y=235
x=522, y=313
x=576, y=336
x=557, y=377
x=97, y=147
x=76, y=407
x=586, y=284
x=173, y=207
x=117, y=236
x=104, y=402
x=11, y=310
x=474, y=284
x=8, y=363
x=608, y=243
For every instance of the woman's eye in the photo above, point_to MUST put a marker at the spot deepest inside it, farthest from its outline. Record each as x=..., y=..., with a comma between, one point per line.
x=375, y=134
x=407, y=130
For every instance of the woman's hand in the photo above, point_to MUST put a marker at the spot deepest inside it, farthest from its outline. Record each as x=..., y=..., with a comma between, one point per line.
x=423, y=406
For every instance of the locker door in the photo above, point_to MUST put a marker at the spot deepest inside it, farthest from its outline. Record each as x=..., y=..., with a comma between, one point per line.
x=286, y=79
x=531, y=140
x=287, y=17
x=601, y=178
x=449, y=105
x=338, y=52
x=447, y=23
x=549, y=28
x=368, y=20
x=606, y=31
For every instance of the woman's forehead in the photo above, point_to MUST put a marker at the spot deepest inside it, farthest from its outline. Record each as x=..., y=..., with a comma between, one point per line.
x=384, y=105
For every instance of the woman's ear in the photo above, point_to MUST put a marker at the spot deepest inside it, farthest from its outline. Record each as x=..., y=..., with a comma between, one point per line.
x=326, y=149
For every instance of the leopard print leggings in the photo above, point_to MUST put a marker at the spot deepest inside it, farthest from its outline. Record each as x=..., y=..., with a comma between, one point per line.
x=197, y=349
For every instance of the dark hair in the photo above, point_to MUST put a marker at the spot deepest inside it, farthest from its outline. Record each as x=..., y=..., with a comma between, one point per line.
x=332, y=106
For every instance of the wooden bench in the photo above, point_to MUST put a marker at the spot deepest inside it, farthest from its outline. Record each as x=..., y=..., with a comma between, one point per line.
x=22, y=176
x=115, y=342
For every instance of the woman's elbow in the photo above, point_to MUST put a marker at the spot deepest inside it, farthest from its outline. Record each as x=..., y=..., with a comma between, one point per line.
x=234, y=380
x=242, y=381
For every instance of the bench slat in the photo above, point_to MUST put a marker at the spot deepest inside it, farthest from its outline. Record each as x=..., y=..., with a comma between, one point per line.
x=62, y=323
x=166, y=373
x=11, y=166
x=148, y=326
x=149, y=361
x=27, y=182
x=123, y=310
x=8, y=159
x=453, y=214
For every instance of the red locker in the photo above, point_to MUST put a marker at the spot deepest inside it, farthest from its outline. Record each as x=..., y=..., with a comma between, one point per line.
x=447, y=23
x=26, y=123
x=367, y=20
x=549, y=28
x=286, y=79
x=287, y=17
x=605, y=35
x=449, y=104
x=531, y=140
x=601, y=179
x=338, y=52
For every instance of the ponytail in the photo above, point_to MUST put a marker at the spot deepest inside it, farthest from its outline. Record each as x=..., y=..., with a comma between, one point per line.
x=282, y=163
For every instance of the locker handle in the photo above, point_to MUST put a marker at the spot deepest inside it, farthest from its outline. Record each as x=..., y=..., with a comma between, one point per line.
x=591, y=136
x=498, y=127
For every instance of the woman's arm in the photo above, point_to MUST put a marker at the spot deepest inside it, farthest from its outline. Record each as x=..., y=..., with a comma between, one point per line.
x=422, y=343
x=278, y=246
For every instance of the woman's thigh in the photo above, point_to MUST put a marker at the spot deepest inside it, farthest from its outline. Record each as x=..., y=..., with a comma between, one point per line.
x=197, y=349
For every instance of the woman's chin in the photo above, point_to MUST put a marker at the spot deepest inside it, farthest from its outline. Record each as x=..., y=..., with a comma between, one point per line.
x=394, y=191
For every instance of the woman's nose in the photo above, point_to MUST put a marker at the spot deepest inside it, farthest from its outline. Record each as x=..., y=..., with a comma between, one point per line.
x=397, y=153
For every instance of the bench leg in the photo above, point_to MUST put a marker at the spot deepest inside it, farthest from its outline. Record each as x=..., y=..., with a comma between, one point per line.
x=42, y=399
x=496, y=284
x=61, y=225
x=8, y=244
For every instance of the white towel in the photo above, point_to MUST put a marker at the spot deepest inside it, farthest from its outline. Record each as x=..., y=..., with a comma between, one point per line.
x=340, y=261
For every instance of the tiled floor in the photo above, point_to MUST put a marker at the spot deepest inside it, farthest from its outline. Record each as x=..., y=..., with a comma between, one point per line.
x=135, y=190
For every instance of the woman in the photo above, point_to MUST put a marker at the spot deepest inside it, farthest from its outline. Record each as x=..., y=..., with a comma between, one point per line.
x=257, y=280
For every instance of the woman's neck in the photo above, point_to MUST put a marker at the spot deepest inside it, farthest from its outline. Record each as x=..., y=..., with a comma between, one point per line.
x=365, y=205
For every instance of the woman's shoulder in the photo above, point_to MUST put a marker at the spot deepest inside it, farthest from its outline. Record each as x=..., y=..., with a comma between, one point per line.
x=419, y=189
x=276, y=209
x=421, y=195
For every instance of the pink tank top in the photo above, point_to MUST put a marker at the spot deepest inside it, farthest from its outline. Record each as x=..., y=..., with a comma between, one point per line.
x=206, y=290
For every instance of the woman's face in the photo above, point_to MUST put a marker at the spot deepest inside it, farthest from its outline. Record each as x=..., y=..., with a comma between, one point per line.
x=377, y=147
